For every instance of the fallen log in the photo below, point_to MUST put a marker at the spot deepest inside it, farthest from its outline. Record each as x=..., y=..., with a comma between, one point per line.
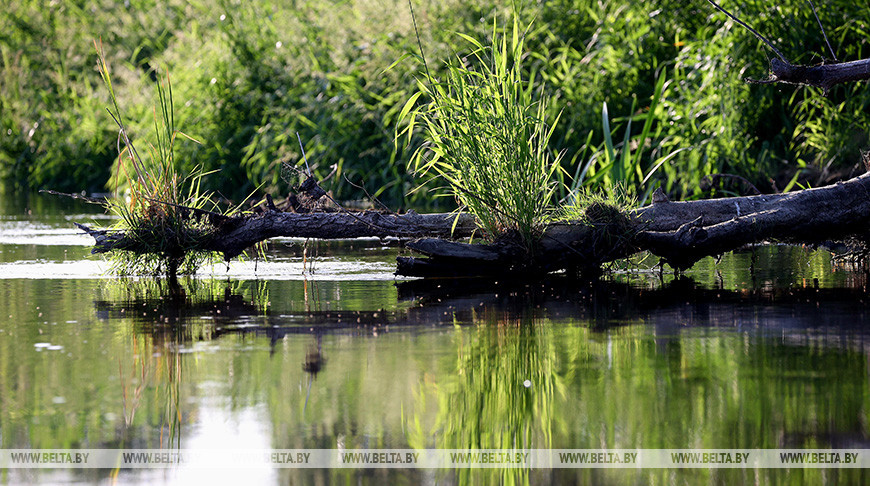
x=681, y=233
x=233, y=235
x=684, y=232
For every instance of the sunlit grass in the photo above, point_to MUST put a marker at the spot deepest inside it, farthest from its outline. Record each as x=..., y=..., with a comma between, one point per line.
x=489, y=136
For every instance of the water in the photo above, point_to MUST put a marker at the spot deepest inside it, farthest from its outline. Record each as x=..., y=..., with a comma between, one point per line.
x=321, y=347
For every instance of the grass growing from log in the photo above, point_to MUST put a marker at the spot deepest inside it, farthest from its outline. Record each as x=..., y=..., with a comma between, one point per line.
x=489, y=137
x=156, y=208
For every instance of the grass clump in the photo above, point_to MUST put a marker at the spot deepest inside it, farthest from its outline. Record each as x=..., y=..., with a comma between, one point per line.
x=156, y=210
x=488, y=136
x=590, y=206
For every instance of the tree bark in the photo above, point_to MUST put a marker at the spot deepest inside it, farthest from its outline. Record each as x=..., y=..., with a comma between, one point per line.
x=684, y=232
x=232, y=235
x=680, y=232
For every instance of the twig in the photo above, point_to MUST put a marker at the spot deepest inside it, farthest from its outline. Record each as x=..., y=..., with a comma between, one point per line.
x=374, y=199
x=823, y=29
x=90, y=200
x=313, y=181
x=759, y=36
x=823, y=76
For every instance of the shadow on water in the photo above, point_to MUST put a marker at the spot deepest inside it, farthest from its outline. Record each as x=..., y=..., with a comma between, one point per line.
x=203, y=310
x=674, y=306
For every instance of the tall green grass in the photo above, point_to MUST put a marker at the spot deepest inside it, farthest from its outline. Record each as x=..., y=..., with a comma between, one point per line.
x=620, y=171
x=489, y=136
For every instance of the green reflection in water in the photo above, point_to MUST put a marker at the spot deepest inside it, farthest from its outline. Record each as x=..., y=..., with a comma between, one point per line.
x=500, y=395
x=639, y=386
x=736, y=358
x=703, y=388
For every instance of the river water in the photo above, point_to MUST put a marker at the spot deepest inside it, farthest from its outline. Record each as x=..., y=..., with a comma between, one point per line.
x=319, y=346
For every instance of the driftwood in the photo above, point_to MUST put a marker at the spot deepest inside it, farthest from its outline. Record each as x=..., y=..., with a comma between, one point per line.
x=232, y=235
x=684, y=232
x=680, y=232
x=825, y=75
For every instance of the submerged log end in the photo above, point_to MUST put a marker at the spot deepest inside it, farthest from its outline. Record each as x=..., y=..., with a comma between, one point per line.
x=104, y=240
x=454, y=250
x=455, y=259
x=429, y=267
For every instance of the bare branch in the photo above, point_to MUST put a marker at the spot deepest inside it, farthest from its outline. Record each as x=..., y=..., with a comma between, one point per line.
x=823, y=29
x=750, y=29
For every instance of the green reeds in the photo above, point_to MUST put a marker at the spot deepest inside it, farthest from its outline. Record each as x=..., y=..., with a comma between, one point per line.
x=619, y=171
x=155, y=209
x=488, y=136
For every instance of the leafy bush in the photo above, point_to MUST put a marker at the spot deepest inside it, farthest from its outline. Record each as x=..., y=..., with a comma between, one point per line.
x=249, y=75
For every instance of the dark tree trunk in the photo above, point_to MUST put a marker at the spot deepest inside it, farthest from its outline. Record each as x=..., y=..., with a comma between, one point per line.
x=680, y=232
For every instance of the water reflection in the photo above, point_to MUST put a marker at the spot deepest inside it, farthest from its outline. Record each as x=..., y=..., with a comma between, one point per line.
x=763, y=350
x=677, y=366
x=551, y=365
x=678, y=304
x=502, y=393
x=157, y=369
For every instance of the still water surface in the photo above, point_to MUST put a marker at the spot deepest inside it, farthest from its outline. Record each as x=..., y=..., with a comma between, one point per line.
x=323, y=348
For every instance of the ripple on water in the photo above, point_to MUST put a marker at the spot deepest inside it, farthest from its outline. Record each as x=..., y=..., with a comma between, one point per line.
x=326, y=269
x=41, y=269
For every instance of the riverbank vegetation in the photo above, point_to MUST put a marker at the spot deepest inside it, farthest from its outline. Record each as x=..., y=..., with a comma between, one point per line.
x=249, y=75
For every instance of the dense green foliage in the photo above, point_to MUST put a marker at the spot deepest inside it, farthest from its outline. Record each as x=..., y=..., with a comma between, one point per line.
x=248, y=75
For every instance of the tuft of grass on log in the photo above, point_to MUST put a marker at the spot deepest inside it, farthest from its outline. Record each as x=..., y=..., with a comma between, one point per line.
x=160, y=217
x=488, y=137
